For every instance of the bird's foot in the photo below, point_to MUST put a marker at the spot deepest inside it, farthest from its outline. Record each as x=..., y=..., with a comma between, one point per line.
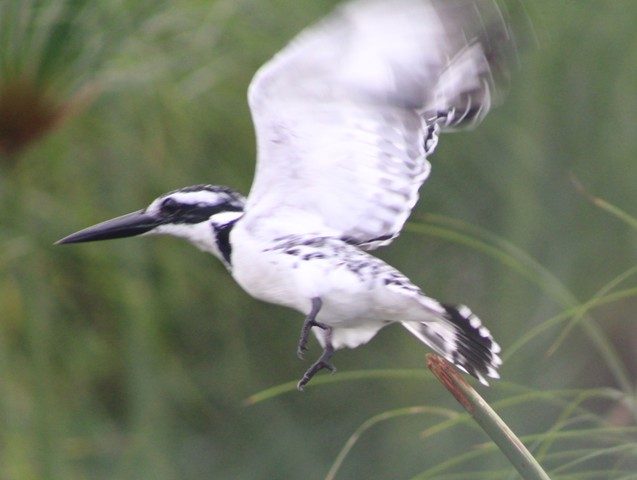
x=310, y=321
x=313, y=370
x=323, y=363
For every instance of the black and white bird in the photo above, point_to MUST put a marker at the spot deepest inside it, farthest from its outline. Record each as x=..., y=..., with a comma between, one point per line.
x=345, y=118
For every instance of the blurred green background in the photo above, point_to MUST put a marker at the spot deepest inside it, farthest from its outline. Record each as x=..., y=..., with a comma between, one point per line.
x=133, y=359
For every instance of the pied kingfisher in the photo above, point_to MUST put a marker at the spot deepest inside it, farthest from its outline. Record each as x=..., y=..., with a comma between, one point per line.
x=345, y=117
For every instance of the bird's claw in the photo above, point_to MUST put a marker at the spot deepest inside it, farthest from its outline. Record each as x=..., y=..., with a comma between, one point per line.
x=329, y=366
x=300, y=351
x=313, y=370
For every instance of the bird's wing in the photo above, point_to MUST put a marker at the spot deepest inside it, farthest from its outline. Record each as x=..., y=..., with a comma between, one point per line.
x=346, y=114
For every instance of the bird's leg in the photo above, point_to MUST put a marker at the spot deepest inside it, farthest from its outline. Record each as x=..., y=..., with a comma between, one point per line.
x=310, y=321
x=322, y=363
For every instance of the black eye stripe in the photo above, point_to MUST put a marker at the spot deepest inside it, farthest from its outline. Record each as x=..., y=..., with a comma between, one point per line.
x=194, y=213
x=169, y=206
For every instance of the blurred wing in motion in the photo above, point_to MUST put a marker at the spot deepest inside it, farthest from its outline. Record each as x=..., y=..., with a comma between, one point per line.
x=347, y=113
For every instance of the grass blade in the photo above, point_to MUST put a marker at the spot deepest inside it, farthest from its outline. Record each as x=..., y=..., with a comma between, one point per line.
x=288, y=387
x=381, y=417
x=580, y=315
x=605, y=205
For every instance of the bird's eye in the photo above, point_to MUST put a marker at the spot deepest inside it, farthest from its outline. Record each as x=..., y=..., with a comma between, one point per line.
x=169, y=206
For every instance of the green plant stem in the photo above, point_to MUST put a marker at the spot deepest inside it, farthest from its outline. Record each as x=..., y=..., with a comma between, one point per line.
x=485, y=416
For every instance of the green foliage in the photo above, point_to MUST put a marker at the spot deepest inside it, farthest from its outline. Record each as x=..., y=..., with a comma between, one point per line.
x=132, y=359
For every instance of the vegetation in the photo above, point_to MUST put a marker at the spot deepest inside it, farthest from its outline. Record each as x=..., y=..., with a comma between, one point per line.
x=134, y=359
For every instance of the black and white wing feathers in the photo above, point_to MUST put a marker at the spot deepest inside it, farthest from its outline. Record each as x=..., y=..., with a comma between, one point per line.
x=347, y=113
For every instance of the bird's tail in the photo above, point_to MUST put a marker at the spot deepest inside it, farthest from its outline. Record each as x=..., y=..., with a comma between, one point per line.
x=459, y=336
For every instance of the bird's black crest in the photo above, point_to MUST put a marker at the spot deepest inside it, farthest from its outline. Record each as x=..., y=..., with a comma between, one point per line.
x=211, y=188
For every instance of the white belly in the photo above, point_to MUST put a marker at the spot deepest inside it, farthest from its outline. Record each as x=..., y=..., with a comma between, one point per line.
x=293, y=280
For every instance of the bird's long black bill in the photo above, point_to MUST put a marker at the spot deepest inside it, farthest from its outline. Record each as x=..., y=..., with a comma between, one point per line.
x=128, y=225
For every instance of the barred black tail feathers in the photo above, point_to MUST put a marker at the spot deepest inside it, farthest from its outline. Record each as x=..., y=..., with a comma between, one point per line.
x=459, y=336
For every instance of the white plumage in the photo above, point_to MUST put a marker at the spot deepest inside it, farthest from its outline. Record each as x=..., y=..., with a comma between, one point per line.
x=345, y=116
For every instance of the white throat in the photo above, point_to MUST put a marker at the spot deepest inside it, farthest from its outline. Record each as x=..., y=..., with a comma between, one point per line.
x=201, y=235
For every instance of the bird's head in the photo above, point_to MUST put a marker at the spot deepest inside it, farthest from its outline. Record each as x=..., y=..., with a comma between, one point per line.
x=201, y=214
